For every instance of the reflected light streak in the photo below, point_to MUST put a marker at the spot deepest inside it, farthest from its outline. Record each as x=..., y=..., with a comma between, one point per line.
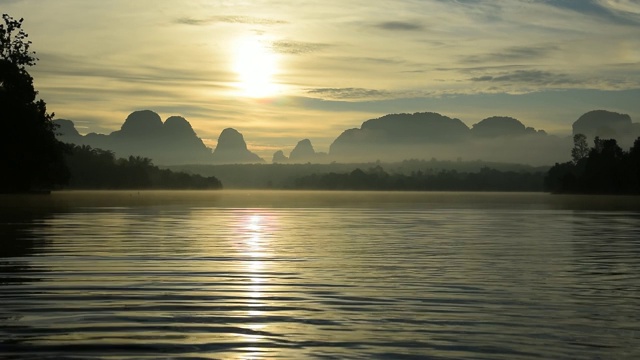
x=253, y=229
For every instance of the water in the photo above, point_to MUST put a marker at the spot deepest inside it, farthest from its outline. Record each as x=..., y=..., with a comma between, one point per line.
x=247, y=275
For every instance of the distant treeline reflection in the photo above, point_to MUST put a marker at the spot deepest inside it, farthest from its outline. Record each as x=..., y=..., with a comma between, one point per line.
x=100, y=169
x=444, y=180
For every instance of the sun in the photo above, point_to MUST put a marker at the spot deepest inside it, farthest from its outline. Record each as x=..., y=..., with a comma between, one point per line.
x=255, y=66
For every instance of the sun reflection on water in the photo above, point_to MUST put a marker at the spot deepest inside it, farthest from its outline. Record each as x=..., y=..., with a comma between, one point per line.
x=253, y=231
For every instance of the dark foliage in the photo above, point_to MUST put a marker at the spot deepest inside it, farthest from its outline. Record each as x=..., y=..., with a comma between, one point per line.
x=607, y=169
x=580, y=148
x=32, y=158
x=445, y=180
x=99, y=169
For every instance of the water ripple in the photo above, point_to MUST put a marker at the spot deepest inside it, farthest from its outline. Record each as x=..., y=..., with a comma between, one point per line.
x=197, y=282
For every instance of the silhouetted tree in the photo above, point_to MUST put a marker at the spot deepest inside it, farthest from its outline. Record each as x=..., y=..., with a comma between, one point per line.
x=606, y=170
x=633, y=166
x=32, y=157
x=580, y=148
x=603, y=171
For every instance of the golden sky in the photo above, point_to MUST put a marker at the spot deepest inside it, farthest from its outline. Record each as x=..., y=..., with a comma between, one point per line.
x=281, y=71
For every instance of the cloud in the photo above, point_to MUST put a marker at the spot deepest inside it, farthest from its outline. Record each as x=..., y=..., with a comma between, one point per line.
x=474, y=69
x=622, y=6
x=75, y=66
x=535, y=77
x=348, y=93
x=295, y=47
x=511, y=54
x=617, y=11
x=399, y=26
x=232, y=19
x=373, y=60
x=192, y=21
x=481, y=9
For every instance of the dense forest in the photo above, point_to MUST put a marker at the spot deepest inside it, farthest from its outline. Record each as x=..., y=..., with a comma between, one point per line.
x=99, y=169
x=602, y=169
x=285, y=176
x=444, y=180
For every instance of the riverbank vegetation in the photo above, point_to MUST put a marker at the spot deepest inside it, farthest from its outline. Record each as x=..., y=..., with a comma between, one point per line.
x=308, y=176
x=602, y=169
x=100, y=169
x=445, y=180
x=32, y=157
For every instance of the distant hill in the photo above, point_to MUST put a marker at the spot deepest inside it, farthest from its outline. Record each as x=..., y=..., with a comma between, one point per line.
x=390, y=138
x=397, y=130
x=232, y=149
x=607, y=125
x=67, y=131
x=497, y=126
x=279, y=157
x=303, y=152
x=425, y=135
x=167, y=143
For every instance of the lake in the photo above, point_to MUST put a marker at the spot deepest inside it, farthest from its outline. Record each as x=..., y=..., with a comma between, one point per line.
x=320, y=275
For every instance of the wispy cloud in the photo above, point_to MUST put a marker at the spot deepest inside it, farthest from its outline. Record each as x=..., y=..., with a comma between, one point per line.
x=400, y=26
x=475, y=69
x=627, y=11
x=347, y=93
x=232, y=19
x=374, y=60
x=511, y=54
x=70, y=66
x=622, y=6
x=536, y=77
x=296, y=47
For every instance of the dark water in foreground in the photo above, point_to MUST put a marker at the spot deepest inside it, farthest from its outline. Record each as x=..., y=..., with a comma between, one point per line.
x=246, y=275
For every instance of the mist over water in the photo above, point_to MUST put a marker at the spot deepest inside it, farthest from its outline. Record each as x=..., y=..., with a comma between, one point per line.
x=258, y=274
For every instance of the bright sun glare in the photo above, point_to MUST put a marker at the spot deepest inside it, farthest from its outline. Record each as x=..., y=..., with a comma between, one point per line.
x=255, y=65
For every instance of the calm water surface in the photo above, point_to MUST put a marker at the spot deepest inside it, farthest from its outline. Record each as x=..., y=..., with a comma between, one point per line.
x=247, y=275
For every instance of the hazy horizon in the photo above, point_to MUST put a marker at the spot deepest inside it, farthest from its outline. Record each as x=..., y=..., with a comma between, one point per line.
x=281, y=72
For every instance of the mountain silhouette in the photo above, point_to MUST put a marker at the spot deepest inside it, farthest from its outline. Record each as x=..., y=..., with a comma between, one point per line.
x=66, y=131
x=144, y=134
x=427, y=135
x=417, y=127
x=232, y=149
x=387, y=134
x=393, y=137
x=303, y=152
x=279, y=157
x=498, y=126
x=141, y=124
x=607, y=125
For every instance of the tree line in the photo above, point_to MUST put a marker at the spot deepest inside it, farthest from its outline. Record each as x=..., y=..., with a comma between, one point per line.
x=602, y=169
x=377, y=178
x=100, y=169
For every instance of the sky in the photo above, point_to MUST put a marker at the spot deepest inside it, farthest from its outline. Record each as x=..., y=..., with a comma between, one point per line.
x=281, y=71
